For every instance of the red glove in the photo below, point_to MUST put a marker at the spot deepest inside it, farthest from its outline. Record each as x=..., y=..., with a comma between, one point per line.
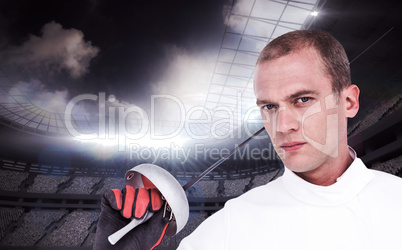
x=141, y=199
x=118, y=207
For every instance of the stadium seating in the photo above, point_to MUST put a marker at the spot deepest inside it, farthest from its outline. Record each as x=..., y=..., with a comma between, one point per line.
x=73, y=231
x=11, y=180
x=47, y=183
x=81, y=185
x=33, y=227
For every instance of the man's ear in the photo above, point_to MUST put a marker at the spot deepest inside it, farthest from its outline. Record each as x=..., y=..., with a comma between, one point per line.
x=351, y=98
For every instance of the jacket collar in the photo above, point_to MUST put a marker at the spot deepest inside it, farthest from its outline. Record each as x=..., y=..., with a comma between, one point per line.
x=348, y=185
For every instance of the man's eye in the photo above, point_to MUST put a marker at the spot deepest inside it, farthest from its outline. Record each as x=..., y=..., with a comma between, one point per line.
x=268, y=107
x=303, y=99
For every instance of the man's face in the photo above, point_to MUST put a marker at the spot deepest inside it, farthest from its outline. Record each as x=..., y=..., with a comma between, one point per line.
x=300, y=112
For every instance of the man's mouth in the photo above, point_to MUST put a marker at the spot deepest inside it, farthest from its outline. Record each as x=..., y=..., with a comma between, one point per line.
x=292, y=146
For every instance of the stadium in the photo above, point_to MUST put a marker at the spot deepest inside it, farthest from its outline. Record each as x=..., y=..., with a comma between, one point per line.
x=54, y=166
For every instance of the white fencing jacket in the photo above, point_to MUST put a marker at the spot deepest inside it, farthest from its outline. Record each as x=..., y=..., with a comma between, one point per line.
x=362, y=210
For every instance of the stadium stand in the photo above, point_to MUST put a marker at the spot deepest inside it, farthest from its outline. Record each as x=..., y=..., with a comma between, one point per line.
x=81, y=185
x=209, y=188
x=392, y=166
x=383, y=109
x=263, y=179
x=7, y=216
x=73, y=231
x=47, y=183
x=205, y=189
x=11, y=180
x=235, y=187
x=33, y=227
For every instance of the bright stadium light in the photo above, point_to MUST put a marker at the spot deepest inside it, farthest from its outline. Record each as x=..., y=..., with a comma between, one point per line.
x=314, y=13
x=88, y=139
x=162, y=143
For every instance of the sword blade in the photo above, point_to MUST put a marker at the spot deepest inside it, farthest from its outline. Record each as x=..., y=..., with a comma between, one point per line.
x=219, y=162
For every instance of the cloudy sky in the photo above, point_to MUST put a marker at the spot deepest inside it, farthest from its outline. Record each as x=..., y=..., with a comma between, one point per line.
x=55, y=50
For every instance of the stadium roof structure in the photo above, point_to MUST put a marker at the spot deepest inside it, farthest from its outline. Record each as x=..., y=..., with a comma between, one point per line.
x=17, y=111
x=250, y=25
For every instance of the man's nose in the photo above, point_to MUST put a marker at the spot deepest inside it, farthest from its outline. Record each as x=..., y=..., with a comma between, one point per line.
x=287, y=121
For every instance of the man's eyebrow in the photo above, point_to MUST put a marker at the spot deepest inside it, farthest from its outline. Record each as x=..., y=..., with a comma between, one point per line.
x=295, y=95
x=302, y=93
x=261, y=102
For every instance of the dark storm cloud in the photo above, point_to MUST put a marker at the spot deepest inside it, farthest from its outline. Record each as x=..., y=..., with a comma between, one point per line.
x=56, y=49
x=131, y=49
x=52, y=53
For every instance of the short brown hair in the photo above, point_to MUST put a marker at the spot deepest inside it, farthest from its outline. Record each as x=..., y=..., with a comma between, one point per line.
x=333, y=55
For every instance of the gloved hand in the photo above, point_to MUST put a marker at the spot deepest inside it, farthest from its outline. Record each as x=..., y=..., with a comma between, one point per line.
x=119, y=207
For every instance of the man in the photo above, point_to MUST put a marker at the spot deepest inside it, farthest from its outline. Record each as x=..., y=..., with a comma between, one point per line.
x=327, y=198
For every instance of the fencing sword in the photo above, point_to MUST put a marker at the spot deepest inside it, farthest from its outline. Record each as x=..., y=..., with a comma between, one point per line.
x=219, y=162
x=115, y=237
